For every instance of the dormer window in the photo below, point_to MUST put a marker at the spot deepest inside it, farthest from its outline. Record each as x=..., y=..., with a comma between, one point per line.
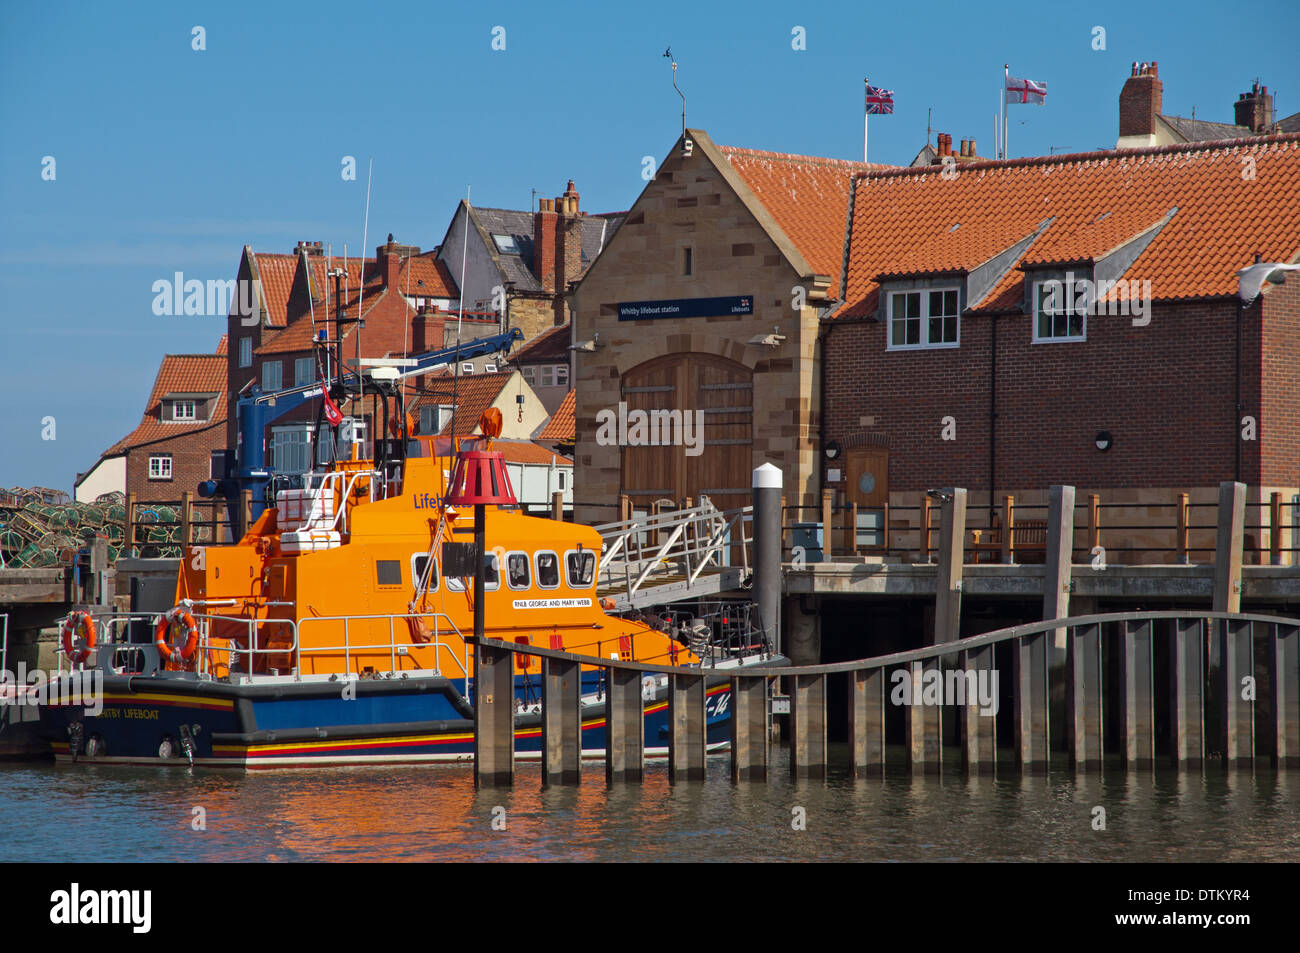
x=1060, y=310
x=926, y=318
x=185, y=410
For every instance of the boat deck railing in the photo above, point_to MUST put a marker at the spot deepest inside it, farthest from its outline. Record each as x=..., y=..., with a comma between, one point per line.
x=439, y=625
x=232, y=651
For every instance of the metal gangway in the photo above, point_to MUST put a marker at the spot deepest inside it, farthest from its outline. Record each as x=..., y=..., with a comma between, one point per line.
x=674, y=555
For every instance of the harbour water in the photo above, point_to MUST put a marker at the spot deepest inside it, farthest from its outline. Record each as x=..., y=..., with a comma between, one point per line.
x=69, y=813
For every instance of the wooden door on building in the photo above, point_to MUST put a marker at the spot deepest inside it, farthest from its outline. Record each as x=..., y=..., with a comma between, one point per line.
x=866, y=483
x=718, y=396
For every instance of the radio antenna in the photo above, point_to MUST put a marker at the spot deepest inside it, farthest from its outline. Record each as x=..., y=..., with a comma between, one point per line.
x=668, y=55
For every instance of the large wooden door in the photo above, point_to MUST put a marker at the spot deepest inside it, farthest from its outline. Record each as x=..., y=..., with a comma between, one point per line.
x=714, y=402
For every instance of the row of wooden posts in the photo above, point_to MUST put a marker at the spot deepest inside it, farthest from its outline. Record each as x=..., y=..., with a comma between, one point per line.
x=1011, y=535
x=1241, y=739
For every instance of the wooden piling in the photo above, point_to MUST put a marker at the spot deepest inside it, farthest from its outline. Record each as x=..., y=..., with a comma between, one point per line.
x=557, y=505
x=187, y=518
x=494, y=716
x=1083, y=697
x=1228, y=547
x=979, y=742
x=1236, y=713
x=561, y=721
x=1029, y=657
x=1180, y=544
x=923, y=722
x=828, y=531
x=750, y=744
x=808, y=726
x=686, y=742
x=1137, y=695
x=1285, y=650
x=867, y=722
x=952, y=557
x=1187, y=694
x=624, y=727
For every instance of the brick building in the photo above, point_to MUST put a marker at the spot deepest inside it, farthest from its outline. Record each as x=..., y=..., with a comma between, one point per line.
x=181, y=437
x=952, y=363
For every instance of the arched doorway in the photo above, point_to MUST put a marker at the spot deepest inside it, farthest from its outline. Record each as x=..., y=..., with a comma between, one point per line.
x=700, y=398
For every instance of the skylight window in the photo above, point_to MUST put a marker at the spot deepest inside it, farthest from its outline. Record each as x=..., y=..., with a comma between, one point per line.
x=506, y=244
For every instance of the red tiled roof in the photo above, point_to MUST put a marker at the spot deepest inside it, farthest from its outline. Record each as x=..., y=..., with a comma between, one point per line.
x=276, y=275
x=179, y=374
x=807, y=196
x=221, y=345
x=525, y=451
x=475, y=393
x=562, y=425
x=916, y=221
x=551, y=346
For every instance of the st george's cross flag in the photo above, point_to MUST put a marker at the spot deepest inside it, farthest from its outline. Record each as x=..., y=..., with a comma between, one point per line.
x=1026, y=91
x=879, y=101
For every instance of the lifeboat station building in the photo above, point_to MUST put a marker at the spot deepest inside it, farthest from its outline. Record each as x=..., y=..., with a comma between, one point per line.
x=1001, y=326
x=706, y=305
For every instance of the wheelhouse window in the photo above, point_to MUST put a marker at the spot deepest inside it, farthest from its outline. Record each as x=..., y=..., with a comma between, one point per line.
x=581, y=568
x=160, y=467
x=421, y=562
x=548, y=570
x=1060, y=311
x=919, y=319
x=518, y=575
x=491, y=573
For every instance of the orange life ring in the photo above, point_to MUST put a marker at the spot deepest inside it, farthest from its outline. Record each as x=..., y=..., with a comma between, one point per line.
x=74, y=620
x=188, y=650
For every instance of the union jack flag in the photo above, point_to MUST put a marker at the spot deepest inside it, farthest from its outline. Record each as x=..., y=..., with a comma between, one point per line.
x=879, y=100
x=1026, y=91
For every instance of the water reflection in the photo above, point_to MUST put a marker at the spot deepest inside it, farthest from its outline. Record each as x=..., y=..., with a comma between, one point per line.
x=68, y=813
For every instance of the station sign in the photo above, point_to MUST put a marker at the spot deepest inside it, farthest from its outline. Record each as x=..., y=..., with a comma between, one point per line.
x=685, y=308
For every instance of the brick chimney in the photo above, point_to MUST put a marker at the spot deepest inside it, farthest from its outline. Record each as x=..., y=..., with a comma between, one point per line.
x=1254, y=109
x=388, y=259
x=568, y=250
x=1140, y=101
x=427, y=329
x=545, y=221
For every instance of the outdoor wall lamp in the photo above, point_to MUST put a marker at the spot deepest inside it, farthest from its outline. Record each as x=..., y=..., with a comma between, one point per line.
x=1104, y=441
x=832, y=449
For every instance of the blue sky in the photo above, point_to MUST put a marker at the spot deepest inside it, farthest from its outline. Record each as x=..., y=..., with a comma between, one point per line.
x=170, y=159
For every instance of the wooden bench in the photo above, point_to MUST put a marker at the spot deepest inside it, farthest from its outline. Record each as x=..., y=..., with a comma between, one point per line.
x=1026, y=536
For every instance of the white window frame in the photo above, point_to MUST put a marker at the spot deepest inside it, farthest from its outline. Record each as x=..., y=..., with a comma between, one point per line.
x=1071, y=294
x=298, y=364
x=160, y=472
x=466, y=367
x=246, y=352
x=561, y=375
x=530, y=374
x=527, y=562
x=191, y=405
x=594, y=567
x=301, y=448
x=415, y=574
x=559, y=569
x=490, y=368
x=925, y=344
x=279, y=376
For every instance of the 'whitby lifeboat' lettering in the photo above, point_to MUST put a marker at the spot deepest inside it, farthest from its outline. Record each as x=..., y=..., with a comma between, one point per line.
x=425, y=501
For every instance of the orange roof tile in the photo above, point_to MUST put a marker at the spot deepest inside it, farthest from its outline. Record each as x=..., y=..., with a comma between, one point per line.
x=525, y=451
x=807, y=196
x=474, y=393
x=562, y=425
x=179, y=374
x=916, y=221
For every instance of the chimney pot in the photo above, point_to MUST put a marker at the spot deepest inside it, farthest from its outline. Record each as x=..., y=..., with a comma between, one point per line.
x=973, y=153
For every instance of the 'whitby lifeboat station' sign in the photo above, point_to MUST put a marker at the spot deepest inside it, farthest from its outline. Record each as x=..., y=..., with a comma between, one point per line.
x=685, y=308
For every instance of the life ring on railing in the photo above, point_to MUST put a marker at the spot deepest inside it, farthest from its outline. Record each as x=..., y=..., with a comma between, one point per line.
x=78, y=619
x=177, y=618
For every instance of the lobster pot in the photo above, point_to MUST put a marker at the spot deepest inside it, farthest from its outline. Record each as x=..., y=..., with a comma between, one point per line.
x=304, y=509
x=309, y=541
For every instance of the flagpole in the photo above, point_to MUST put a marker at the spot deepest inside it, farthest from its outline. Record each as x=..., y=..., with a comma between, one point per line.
x=1006, y=73
x=865, y=117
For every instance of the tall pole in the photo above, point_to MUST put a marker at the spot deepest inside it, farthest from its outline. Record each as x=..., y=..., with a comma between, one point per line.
x=865, y=116
x=1006, y=74
x=480, y=566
